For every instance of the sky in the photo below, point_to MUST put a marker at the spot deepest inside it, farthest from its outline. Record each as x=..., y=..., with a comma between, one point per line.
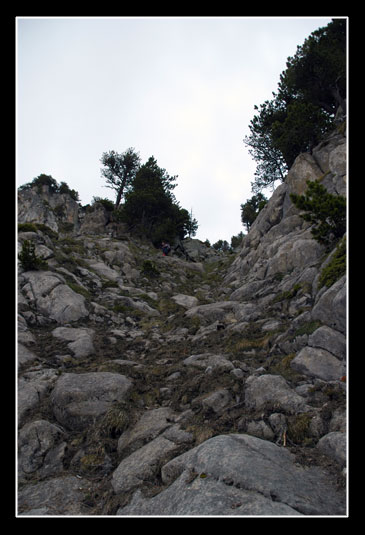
x=181, y=89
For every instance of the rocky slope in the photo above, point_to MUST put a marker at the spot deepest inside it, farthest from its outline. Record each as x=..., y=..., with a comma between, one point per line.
x=153, y=385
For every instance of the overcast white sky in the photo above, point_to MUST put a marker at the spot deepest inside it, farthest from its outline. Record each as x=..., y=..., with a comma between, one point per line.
x=181, y=89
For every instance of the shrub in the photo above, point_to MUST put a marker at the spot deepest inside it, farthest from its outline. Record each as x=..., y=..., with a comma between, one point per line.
x=28, y=259
x=327, y=212
x=149, y=270
x=336, y=267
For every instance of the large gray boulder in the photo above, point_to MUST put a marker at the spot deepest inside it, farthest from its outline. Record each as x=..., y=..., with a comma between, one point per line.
x=80, y=340
x=78, y=400
x=239, y=474
x=41, y=448
x=315, y=362
x=48, y=293
x=274, y=390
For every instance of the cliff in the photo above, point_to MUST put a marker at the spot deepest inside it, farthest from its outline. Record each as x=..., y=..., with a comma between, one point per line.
x=153, y=385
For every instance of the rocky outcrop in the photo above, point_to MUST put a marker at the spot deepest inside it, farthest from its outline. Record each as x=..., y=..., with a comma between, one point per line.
x=209, y=385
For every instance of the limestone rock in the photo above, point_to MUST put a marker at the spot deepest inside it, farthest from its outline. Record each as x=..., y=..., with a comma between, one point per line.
x=330, y=308
x=203, y=360
x=151, y=424
x=41, y=448
x=334, y=445
x=186, y=301
x=143, y=464
x=332, y=341
x=80, y=340
x=273, y=389
x=249, y=467
x=48, y=293
x=58, y=496
x=79, y=399
x=33, y=386
x=316, y=362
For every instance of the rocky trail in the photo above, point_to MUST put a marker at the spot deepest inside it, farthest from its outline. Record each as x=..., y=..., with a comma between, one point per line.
x=153, y=385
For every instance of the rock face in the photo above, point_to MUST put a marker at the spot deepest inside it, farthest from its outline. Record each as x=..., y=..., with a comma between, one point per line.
x=241, y=475
x=215, y=387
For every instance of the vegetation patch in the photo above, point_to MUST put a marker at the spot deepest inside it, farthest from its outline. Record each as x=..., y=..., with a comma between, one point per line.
x=336, y=268
x=28, y=259
x=298, y=429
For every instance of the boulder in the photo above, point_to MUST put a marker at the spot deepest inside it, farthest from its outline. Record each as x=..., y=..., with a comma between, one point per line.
x=41, y=448
x=150, y=425
x=25, y=355
x=186, y=301
x=239, y=474
x=103, y=270
x=143, y=464
x=197, y=495
x=80, y=340
x=330, y=308
x=205, y=360
x=213, y=311
x=316, y=362
x=33, y=386
x=49, y=294
x=58, y=496
x=78, y=400
x=334, y=445
x=332, y=341
x=217, y=400
x=273, y=390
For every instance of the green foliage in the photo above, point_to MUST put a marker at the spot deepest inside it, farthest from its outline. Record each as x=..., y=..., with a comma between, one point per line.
x=27, y=227
x=251, y=209
x=336, y=267
x=221, y=245
x=325, y=211
x=53, y=186
x=150, y=208
x=120, y=171
x=106, y=203
x=310, y=90
x=237, y=240
x=28, y=259
x=149, y=270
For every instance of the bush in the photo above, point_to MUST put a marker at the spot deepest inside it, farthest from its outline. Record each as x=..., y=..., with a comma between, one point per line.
x=149, y=270
x=336, y=268
x=28, y=259
x=326, y=211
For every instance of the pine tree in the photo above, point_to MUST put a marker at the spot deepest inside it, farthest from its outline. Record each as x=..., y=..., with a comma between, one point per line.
x=325, y=211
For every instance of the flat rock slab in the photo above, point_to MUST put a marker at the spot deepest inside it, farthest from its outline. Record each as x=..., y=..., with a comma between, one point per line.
x=240, y=471
x=58, y=496
x=202, y=497
x=79, y=399
x=205, y=360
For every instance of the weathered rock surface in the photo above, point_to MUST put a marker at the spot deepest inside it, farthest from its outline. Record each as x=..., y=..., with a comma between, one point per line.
x=78, y=400
x=47, y=293
x=216, y=387
x=274, y=390
x=264, y=477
